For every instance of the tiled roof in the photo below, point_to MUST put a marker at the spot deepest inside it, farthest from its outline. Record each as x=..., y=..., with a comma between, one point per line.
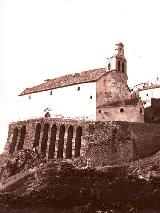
x=67, y=80
x=126, y=102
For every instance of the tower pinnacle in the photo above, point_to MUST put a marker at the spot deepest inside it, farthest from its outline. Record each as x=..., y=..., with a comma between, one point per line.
x=119, y=50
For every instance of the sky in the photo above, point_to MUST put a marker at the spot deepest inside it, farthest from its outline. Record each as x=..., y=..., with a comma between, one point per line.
x=42, y=39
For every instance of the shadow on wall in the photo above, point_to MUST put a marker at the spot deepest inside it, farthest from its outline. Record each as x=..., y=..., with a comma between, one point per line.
x=152, y=113
x=146, y=148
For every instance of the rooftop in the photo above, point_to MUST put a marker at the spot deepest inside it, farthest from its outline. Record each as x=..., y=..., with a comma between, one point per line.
x=147, y=85
x=67, y=80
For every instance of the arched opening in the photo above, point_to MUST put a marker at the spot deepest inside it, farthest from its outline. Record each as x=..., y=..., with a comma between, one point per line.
x=37, y=135
x=61, y=142
x=22, y=137
x=78, y=141
x=69, y=142
x=119, y=65
x=47, y=115
x=14, y=141
x=44, y=139
x=52, y=142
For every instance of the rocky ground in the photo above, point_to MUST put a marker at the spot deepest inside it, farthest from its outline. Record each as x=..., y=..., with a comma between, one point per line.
x=31, y=184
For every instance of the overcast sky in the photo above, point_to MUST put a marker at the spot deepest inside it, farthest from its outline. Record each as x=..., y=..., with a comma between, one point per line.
x=43, y=39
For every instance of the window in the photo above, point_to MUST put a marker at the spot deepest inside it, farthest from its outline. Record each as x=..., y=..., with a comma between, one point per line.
x=51, y=92
x=119, y=65
x=123, y=67
x=99, y=111
x=146, y=94
x=109, y=66
x=91, y=97
x=78, y=89
x=121, y=110
x=29, y=96
x=47, y=115
x=141, y=111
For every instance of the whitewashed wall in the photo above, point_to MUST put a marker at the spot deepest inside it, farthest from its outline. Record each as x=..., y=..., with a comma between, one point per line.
x=146, y=95
x=64, y=102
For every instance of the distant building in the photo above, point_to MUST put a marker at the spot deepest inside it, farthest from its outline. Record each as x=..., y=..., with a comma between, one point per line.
x=147, y=91
x=100, y=94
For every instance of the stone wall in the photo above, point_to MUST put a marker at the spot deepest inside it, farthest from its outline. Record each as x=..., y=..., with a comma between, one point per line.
x=112, y=87
x=130, y=113
x=101, y=143
x=46, y=134
x=146, y=139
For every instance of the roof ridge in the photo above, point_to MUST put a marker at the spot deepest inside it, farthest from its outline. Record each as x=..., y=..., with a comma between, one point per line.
x=86, y=71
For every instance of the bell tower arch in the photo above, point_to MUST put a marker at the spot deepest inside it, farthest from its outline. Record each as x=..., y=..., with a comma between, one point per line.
x=118, y=61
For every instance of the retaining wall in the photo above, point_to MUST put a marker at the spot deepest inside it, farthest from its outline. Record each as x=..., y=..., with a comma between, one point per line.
x=102, y=143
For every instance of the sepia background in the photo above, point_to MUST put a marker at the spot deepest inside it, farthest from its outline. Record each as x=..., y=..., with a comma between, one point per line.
x=42, y=39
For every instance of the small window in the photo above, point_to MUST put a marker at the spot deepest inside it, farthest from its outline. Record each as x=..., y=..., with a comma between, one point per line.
x=123, y=67
x=51, y=92
x=29, y=96
x=109, y=66
x=119, y=65
x=78, y=89
x=91, y=97
x=99, y=111
x=141, y=111
x=146, y=94
x=121, y=110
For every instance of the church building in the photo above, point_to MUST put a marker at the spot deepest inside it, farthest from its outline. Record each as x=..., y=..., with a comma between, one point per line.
x=101, y=95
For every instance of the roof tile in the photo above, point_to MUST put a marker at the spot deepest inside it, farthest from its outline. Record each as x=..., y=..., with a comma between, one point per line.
x=67, y=80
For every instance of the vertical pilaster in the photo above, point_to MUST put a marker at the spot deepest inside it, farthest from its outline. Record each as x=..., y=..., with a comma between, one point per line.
x=84, y=145
x=30, y=135
x=65, y=142
x=56, y=143
x=73, y=141
x=48, y=142
x=40, y=139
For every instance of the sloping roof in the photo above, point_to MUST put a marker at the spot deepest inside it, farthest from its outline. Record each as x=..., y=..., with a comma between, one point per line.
x=126, y=102
x=67, y=80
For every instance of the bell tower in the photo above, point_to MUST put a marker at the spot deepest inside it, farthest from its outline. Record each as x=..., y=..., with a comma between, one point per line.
x=118, y=61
